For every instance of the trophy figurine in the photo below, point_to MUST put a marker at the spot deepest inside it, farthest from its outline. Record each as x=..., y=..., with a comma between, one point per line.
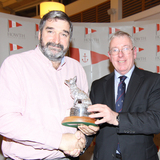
x=78, y=113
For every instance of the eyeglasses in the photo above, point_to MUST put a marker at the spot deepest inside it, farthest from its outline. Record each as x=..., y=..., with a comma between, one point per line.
x=124, y=50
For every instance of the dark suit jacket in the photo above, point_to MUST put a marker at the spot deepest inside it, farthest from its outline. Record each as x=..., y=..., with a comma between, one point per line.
x=139, y=119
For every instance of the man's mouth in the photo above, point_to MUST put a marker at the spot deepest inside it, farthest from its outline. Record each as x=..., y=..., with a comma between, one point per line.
x=54, y=46
x=121, y=61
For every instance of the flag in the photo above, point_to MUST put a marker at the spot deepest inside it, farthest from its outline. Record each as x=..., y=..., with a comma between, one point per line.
x=158, y=27
x=137, y=29
x=113, y=30
x=37, y=27
x=14, y=47
x=158, y=48
x=89, y=31
x=87, y=57
x=158, y=69
x=13, y=24
x=139, y=49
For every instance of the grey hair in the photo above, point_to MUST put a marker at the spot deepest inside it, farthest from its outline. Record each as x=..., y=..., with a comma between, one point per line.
x=55, y=15
x=121, y=34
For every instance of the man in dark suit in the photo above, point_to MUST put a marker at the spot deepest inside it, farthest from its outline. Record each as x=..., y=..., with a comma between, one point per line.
x=126, y=134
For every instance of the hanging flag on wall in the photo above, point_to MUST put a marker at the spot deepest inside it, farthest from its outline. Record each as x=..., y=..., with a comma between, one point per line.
x=87, y=57
x=139, y=49
x=113, y=30
x=137, y=29
x=14, y=47
x=89, y=30
x=12, y=24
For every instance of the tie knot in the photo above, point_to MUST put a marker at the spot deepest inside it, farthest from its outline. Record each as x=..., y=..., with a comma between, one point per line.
x=122, y=78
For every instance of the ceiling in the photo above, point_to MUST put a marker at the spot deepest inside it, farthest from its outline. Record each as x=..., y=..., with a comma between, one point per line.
x=26, y=8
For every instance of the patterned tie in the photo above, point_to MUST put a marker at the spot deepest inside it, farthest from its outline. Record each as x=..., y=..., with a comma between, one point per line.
x=121, y=94
x=120, y=99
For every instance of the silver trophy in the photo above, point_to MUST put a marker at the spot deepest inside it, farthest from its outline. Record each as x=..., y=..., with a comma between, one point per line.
x=78, y=113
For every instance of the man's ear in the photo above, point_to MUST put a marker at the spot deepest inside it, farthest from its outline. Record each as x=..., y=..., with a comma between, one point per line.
x=135, y=52
x=109, y=55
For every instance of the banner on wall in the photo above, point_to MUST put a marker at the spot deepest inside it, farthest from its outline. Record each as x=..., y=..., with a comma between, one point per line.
x=89, y=45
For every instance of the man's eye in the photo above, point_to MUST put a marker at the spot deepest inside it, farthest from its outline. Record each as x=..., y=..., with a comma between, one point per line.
x=125, y=49
x=64, y=35
x=49, y=31
x=115, y=50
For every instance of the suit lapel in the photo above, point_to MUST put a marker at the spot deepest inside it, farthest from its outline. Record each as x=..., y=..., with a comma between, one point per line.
x=108, y=87
x=133, y=87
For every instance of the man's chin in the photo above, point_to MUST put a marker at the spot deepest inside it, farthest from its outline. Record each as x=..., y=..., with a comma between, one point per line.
x=55, y=59
x=56, y=55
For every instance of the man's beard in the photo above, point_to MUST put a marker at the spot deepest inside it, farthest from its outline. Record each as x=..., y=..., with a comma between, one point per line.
x=53, y=54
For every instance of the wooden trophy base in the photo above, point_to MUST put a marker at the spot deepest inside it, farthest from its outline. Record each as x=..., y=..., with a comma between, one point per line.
x=75, y=121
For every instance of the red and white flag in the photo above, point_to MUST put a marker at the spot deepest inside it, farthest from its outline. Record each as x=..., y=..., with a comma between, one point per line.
x=13, y=24
x=158, y=48
x=37, y=27
x=14, y=47
x=139, y=49
x=89, y=31
x=113, y=30
x=158, y=69
x=158, y=27
x=137, y=29
x=87, y=57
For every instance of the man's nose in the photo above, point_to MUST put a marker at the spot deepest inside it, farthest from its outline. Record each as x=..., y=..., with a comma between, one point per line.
x=120, y=53
x=56, y=38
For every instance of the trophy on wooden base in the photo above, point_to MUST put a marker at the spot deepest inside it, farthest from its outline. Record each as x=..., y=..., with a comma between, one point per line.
x=78, y=113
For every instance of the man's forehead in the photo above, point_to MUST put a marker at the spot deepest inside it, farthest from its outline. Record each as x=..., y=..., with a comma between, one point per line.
x=119, y=42
x=50, y=22
x=55, y=20
x=121, y=39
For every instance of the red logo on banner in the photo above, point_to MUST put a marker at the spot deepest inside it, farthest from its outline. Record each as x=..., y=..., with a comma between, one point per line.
x=158, y=27
x=13, y=24
x=158, y=48
x=137, y=29
x=14, y=47
x=37, y=27
x=158, y=69
x=93, y=57
x=113, y=30
x=139, y=49
x=89, y=31
x=85, y=58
